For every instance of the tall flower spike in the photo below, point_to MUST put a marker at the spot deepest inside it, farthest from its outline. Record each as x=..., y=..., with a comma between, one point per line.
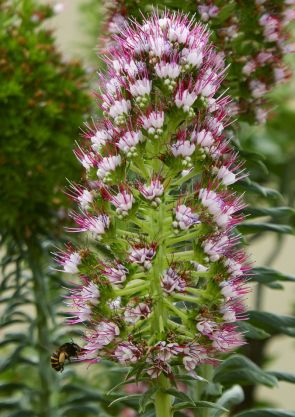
x=160, y=172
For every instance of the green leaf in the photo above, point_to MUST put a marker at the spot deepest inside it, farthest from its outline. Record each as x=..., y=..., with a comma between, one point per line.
x=266, y=412
x=269, y=211
x=9, y=404
x=283, y=376
x=79, y=410
x=249, y=228
x=125, y=397
x=198, y=404
x=230, y=398
x=226, y=12
x=129, y=381
x=148, y=413
x=252, y=332
x=272, y=323
x=255, y=188
x=267, y=276
x=146, y=398
x=187, y=378
x=179, y=395
x=23, y=413
x=238, y=369
x=10, y=387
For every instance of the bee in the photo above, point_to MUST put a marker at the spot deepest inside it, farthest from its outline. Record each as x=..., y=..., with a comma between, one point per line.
x=65, y=351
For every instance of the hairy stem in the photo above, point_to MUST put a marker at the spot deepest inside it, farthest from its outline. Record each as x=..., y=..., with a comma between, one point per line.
x=163, y=401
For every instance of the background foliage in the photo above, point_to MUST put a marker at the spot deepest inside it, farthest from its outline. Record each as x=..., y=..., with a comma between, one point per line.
x=40, y=119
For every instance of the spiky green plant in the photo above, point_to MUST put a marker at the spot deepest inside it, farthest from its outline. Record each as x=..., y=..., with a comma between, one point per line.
x=157, y=203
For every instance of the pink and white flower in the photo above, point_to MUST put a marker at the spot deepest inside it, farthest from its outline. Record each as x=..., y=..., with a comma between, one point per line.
x=194, y=355
x=185, y=99
x=193, y=56
x=129, y=141
x=94, y=224
x=157, y=71
x=171, y=281
x=226, y=176
x=142, y=255
x=205, y=138
x=116, y=274
x=165, y=351
x=81, y=301
x=139, y=312
x=102, y=335
x=69, y=260
x=152, y=191
x=185, y=218
x=183, y=148
x=206, y=327
x=127, y=352
x=167, y=70
x=107, y=165
x=99, y=139
x=258, y=88
x=119, y=107
x=215, y=248
x=123, y=202
x=82, y=195
x=141, y=87
x=154, y=120
x=226, y=338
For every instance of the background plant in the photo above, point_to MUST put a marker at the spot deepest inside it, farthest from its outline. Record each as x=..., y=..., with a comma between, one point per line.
x=43, y=100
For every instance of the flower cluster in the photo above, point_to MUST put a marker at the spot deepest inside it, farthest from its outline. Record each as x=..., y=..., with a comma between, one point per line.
x=254, y=39
x=157, y=202
x=251, y=36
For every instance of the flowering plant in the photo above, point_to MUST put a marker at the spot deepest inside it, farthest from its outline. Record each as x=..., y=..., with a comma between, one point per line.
x=253, y=37
x=157, y=203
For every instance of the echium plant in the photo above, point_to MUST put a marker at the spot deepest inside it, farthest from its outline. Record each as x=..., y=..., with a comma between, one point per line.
x=252, y=36
x=162, y=268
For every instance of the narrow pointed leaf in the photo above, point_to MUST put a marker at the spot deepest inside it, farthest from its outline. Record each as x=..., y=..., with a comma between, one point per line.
x=146, y=398
x=230, y=398
x=265, y=276
x=241, y=370
x=252, y=332
x=179, y=395
x=272, y=323
x=249, y=228
x=283, y=376
x=266, y=412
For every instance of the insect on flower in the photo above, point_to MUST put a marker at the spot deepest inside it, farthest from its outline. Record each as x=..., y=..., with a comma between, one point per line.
x=63, y=353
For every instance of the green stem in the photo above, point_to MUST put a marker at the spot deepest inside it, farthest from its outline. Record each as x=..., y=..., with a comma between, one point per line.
x=40, y=292
x=158, y=229
x=139, y=275
x=182, y=180
x=206, y=371
x=131, y=289
x=195, y=291
x=184, y=297
x=182, y=238
x=163, y=401
x=181, y=329
x=180, y=256
x=175, y=310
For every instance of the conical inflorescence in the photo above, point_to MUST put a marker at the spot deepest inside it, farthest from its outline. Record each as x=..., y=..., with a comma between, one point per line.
x=162, y=269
